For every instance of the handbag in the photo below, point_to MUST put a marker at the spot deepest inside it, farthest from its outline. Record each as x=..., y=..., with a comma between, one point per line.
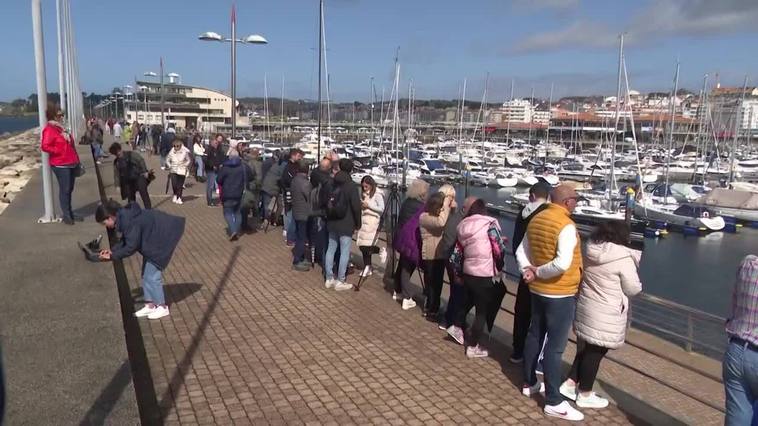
x=247, y=202
x=79, y=170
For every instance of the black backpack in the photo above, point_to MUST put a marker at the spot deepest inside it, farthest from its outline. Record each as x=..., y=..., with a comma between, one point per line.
x=336, y=205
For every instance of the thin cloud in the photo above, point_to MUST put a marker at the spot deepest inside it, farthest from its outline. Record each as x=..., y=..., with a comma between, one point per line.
x=532, y=5
x=662, y=19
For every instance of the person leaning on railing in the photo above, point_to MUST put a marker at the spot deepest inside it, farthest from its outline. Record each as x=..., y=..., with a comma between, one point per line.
x=64, y=160
x=740, y=366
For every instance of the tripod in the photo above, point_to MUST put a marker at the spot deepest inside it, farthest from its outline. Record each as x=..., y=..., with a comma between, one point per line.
x=388, y=220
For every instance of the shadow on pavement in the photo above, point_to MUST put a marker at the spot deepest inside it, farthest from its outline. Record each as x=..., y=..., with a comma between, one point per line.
x=103, y=405
x=175, y=293
x=177, y=378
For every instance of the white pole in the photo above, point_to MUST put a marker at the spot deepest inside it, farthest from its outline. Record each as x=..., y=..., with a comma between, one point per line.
x=61, y=66
x=39, y=59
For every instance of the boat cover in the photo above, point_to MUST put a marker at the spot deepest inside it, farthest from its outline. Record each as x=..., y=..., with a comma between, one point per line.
x=730, y=198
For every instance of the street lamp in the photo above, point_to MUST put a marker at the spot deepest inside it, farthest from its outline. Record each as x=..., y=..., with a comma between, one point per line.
x=251, y=39
x=143, y=89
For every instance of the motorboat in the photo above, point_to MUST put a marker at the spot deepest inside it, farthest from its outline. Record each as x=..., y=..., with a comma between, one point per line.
x=741, y=205
x=684, y=215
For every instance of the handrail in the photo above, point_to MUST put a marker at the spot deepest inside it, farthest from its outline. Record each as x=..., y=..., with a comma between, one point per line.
x=668, y=303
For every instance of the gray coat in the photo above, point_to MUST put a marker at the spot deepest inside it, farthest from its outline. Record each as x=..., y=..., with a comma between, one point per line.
x=301, y=197
x=271, y=180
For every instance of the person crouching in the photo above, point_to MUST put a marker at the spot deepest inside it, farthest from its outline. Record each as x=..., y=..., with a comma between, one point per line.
x=154, y=235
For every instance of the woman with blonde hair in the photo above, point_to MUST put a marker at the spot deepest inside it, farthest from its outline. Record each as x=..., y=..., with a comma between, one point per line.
x=178, y=162
x=432, y=225
x=407, y=241
x=372, y=207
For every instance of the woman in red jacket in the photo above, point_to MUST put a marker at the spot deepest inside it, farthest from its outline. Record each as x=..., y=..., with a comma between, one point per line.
x=63, y=159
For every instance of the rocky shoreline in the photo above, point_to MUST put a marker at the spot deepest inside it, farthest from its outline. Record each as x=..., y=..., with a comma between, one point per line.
x=19, y=159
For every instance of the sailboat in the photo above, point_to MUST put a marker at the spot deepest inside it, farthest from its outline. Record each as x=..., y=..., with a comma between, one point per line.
x=684, y=215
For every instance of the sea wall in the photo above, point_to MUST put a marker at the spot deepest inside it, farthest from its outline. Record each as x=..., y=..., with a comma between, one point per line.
x=19, y=159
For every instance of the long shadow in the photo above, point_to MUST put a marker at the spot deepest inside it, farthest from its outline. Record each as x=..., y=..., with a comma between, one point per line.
x=175, y=293
x=177, y=379
x=103, y=405
x=87, y=209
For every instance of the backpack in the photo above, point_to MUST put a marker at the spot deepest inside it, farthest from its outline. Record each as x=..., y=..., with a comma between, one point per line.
x=315, y=198
x=336, y=204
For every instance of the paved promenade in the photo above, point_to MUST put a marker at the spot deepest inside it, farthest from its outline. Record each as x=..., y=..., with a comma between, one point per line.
x=249, y=341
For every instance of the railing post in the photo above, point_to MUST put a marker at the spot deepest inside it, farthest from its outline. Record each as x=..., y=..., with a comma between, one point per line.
x=690, y=334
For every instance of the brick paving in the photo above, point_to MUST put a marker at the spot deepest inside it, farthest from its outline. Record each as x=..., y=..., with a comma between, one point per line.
x=249, y=341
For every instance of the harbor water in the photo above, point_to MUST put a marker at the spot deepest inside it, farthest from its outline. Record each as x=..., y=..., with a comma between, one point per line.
x=17, y=124
x=698, y=272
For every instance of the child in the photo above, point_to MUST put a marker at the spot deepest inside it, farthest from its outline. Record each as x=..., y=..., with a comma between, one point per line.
x=154, y=235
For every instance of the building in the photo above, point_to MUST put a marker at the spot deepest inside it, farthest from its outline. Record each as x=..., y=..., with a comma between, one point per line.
x=541, y=117
x=184, y=106
x=517, y=111
x=725, y=105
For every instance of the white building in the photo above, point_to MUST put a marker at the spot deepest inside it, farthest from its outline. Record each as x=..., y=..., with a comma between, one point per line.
x=183, y=105
x=541, y=117
x=749, y=114
x=517, y=111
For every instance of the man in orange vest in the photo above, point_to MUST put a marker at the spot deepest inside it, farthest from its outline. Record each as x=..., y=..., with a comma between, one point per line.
x=550, y=259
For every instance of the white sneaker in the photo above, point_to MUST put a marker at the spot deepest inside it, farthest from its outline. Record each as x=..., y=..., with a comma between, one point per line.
x=173, y=199
x=394, y=295
x=330, y=282
x=342, y=286
x=145, y=311
x=284, y=234
x=366, y=272
x=591, y=401
x=456, y=333
x=383, y=255
x=179, y=200
x=533, y=390
x=408, y=304
x=564, y=411
x=476, y=352
x=568, y=391
x=158, y=313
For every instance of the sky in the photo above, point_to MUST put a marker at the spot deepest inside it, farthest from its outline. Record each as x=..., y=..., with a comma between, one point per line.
x=571, y=44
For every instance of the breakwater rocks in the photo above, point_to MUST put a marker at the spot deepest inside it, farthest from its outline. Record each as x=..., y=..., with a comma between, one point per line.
x=19, y=158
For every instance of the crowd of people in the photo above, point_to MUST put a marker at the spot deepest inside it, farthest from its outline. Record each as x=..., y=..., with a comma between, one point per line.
x=320, y=210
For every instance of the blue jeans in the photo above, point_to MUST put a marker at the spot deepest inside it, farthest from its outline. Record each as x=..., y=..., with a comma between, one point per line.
x=289, y=226
x=199, y=166
x=163, y=161
x=66, y=178
x=740, y=373
x=98, y=150
x=552, y=316
x=319, y=238
x=233, y=215
x=301, y=228
x=265, y=199
x=344, y=242
x=152, y=284
x=210, y=187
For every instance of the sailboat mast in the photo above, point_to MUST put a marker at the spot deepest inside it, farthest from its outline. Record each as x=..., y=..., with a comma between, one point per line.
x=320, y=52
x=612, y=177
x=671, y=131
x=508, y=123
x=550, y=114
x=737, y=117
x=463, y=106
x=281, y=112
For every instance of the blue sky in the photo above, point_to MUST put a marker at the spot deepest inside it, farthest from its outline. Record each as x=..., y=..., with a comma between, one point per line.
x=571, y=43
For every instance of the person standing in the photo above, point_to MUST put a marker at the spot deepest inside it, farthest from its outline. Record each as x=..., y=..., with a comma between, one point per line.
x=300, y=189
x=178, y=163
x=479, y=257
x=166, y=144
x=270, y=191
x=95, y=136
x=372, y=207
x=64, y=160
x=132, y=172
x=321, y=181
x=198, y=150
x=407, y=241
x=550, y=260
x=343, y=217
x=152, y=233
x=538, y=195
x=233, y=177
x=740, y=364
x=214, y=158
x=285, y=182
x=432, y=226
x=117, y=130
x=609, y=279
x=445, y=251
x=155, y=134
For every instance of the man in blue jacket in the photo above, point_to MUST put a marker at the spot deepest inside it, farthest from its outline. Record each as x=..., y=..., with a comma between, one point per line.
x=152, y=233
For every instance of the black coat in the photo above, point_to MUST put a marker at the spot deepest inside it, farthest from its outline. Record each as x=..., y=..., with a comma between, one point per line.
x=301, y=194
x=519, y=227
x=449, y=235
x=407, y=210
x=167, y=142
x=214, y=158
x=231, y=178
x=352, y=220
x=152, y=233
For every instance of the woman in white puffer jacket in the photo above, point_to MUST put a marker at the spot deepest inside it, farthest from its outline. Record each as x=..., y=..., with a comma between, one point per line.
x=609, y=279
x=178, y=162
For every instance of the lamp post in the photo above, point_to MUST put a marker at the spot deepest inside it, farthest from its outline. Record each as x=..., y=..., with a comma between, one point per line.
x=143, y=89
x=128, y=91
x=251, y=39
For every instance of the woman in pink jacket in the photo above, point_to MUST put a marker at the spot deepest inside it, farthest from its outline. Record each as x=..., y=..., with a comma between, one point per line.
x=478, y=259
x=64, y=160
x=609, y=279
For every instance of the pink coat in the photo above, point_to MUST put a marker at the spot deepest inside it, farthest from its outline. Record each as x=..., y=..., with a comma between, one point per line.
x=477, y=248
